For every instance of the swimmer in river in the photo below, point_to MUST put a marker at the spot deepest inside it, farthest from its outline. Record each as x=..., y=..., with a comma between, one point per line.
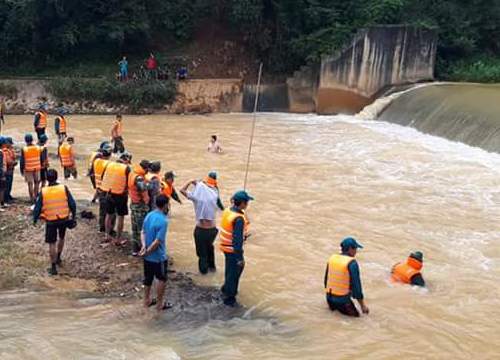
x=213, y=145
x=409, y=271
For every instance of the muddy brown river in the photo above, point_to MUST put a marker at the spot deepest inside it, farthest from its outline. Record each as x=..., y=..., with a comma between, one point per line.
x=316, y=180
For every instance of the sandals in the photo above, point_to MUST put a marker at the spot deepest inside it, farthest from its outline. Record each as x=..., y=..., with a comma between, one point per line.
x=165, y=306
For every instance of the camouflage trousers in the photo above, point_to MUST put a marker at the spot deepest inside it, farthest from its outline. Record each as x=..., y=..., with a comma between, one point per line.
x=138, y=213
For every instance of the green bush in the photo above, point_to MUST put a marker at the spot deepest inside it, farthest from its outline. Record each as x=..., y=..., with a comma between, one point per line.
x=8, y=89
x=135, y=95
x=485, y=70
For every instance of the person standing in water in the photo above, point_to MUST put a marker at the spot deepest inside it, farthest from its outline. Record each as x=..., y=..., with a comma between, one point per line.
x=68, y=160
x=40, y=120
x=61, y=125
x=233, y=232
x=205, y=198
x=154, y=252
x=117, y=134
x=342, y=280
x=42, y=144
x=409, y=272
x=55, y=205
x=213, y=145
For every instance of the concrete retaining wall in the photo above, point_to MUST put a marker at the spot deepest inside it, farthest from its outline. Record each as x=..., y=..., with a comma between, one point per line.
x=378, y=57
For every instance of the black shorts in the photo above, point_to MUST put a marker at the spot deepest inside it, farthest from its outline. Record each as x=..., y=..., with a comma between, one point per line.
x=3, y=183
x=153, y=270
x=117, y=204
x=53, y=228
x=43, y=174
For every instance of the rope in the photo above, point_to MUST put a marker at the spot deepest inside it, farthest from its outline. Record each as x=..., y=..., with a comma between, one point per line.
x=253, y=126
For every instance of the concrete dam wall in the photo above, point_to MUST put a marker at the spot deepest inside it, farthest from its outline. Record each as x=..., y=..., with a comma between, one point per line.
x=378, y=57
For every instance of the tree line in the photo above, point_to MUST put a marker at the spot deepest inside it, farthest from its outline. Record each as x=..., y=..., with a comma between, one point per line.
x=284, y=33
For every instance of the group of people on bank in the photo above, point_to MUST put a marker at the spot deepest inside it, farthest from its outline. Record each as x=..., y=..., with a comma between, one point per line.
x=121, y=185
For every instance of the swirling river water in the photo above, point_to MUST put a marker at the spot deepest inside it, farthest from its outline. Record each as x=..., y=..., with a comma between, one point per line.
x=316, y=180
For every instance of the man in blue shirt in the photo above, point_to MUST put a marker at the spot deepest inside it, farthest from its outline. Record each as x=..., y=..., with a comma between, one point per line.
x=342, y=281
x=154, y=251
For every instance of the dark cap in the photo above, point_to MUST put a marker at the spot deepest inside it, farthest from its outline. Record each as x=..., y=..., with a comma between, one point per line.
x=43, y=139
x=8, y=140
x=145, y=164
x=213, y=175
x=155, y=166
x=125, y=156
x=417, y=255
x=28, y=138
x=350, y=242
x=170, y=175
x=242, y=195
x=71, y=139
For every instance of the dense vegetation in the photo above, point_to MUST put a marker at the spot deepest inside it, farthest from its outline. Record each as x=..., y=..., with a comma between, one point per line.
x=286, y=33
x=134, y=94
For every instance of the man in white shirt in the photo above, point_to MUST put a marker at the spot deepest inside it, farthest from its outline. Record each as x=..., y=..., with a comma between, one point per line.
x=206, y=201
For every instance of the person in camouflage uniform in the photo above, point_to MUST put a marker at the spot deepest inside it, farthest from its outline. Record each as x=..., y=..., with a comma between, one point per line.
x=139, y=202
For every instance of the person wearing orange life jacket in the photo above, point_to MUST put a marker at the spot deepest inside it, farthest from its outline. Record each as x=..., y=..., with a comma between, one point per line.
x=139, y=202
x=40, y=120
x=56, y=206
x=96, y=171
x=67, y=157
x=233, y=231
x=206, y=200
x=409, y=272
x=153, y=179
x=167, y=186
x=4, y=159
x=117, y=134
x=342, y=281
x=61, y=125
x=11, y=159
x=115, y=185
x=30, y=165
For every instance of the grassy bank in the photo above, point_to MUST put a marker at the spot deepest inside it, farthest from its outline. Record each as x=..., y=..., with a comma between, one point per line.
x=133, y=94
x=479, y=69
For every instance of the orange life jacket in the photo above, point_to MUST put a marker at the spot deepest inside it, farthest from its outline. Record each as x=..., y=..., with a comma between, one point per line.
x=210, y=182
x=99, y=166
x=403, y=272
x=338, y=281
x=62, y=124
x=54, y=203
x=11, y=157
x=167, y=189
x=32, y=155
x=136, y=196
x=114, y=179
x=227, y=227
x=66, y=155
x=42, y=122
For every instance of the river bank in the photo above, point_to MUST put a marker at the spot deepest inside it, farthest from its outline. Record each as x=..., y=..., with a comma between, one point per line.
x=88, y=265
